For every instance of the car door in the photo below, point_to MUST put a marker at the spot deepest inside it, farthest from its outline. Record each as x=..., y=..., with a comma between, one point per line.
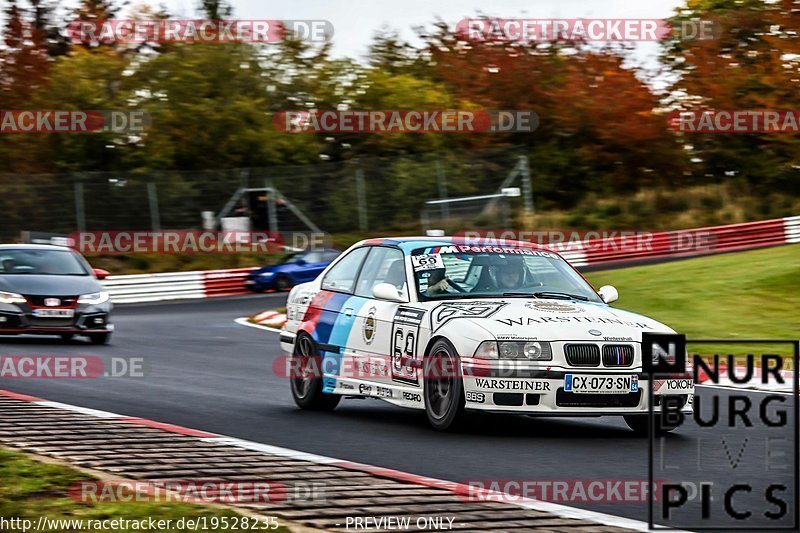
x=338, y=307
x=372, y=342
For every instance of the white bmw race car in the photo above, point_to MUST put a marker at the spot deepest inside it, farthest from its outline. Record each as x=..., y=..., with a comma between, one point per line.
x=448, y=325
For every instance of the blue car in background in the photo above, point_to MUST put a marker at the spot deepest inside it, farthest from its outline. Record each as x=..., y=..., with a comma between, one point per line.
x=298, y=268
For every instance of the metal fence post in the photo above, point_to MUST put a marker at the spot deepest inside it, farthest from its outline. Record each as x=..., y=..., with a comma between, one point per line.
x=441, y=178
x=155, y=216
x=80, y=212
x=361, y=192
x=527, y=190
x=272, y=211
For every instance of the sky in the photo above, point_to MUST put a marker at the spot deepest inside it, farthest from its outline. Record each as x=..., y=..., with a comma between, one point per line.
x=356, y=21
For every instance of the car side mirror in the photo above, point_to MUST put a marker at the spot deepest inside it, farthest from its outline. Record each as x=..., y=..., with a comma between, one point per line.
x=99, y=273
x=387, y=291
x=608, y=293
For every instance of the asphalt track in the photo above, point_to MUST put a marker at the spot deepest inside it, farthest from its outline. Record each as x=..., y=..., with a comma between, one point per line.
x=204, y=371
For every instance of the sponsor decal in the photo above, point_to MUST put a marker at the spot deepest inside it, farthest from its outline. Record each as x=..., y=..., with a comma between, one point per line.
x=615, y=339
x=372, y=368
x=475, y=397
x=513, y=384
x=427, y=262
x=383, y=392
x=405, y=334
x=364, y=389
x=412, y=397
x=345, y=386
x=523, y=321
x=368, y=332
x=451, y=310
x=553, y=307
x=491, y=249
x=514, y=337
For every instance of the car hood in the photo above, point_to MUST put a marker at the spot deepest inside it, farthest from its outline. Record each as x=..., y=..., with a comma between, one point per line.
x=547, y=319
x=34, y=285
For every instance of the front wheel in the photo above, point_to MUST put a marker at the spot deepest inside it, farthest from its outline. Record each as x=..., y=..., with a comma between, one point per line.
x=640, y=423
x=443, y=386
x=283, y=283
x=306, y=377
x=99, y=338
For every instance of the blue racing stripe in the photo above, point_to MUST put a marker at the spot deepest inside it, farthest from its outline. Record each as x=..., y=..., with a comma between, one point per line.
x=338, y=336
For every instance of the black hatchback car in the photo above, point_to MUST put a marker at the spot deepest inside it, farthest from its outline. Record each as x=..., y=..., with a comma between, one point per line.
x=51, y=290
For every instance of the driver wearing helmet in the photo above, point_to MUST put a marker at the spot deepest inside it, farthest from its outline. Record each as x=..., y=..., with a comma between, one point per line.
x=509, y=275
x=437, y=282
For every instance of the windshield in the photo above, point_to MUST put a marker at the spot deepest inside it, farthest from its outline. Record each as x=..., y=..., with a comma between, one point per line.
x=41, y=262
x=449, y=272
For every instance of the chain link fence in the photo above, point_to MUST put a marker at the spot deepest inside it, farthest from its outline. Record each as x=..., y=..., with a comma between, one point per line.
x=359, y=195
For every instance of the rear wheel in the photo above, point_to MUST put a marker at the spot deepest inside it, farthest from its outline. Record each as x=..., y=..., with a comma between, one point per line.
x=640, y=423
x=306, y=377
x=443, y=387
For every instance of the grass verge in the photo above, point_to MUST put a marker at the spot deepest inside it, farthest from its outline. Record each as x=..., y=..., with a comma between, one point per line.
x=30, y=489
x=745, y=295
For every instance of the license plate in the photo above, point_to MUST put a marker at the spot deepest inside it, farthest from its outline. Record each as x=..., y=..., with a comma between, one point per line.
x=54, y=313
x=596, y=384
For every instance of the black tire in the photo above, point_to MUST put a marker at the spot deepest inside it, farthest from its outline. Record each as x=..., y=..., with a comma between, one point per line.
x=283, y=283
x=307, y=389
x=66, y=337
x=100, y=338
x=443, y=387
x=640, y=423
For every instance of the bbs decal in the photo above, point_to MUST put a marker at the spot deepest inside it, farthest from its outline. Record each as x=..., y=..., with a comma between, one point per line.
x=476, y=397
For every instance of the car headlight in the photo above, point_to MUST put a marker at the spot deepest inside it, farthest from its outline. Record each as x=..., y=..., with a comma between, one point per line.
x=266, y=275
x=94, y=298
x=515, y=350
x=486, y=350
x=11, y=298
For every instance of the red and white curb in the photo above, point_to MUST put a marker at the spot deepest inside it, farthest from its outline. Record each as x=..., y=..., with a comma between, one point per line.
x=271, y=319
x=245, y=321
x=561, y=511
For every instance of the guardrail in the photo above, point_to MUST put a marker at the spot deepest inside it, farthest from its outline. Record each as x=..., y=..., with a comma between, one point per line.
x=584, y=255
x=680, y=244
x=176, y=285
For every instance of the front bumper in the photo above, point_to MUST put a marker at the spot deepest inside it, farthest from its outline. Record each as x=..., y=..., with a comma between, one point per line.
x=542, y=392
x=20, y=319
x=257, y=283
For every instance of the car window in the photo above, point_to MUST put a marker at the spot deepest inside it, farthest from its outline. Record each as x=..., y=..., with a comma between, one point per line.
x=41, y=262
x=342, y=276
x=313, y=257
x=494, y=272
x=292, y=259
x=384, y=265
